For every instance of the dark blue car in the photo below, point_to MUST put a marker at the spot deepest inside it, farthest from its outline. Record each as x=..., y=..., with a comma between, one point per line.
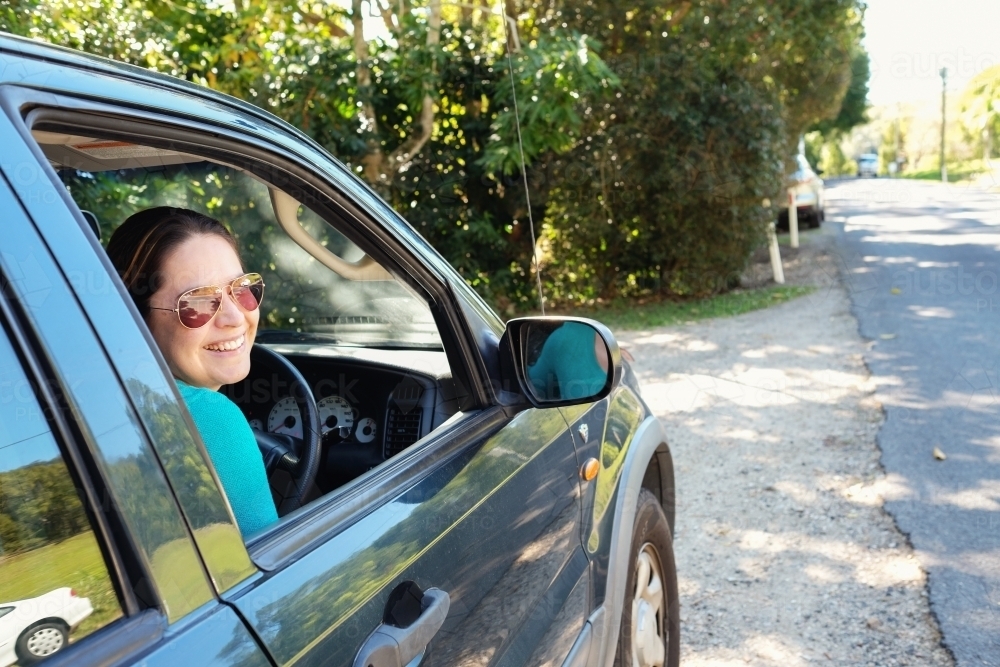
x=451, y=490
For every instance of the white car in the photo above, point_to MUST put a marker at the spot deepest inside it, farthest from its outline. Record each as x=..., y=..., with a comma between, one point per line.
x=809, y=196
x=36, y=628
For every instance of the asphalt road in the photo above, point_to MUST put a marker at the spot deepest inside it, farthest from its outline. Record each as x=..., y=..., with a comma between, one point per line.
x=922, y=263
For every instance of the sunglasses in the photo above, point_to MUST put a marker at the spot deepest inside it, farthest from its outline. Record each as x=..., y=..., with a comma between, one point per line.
x=196, y=307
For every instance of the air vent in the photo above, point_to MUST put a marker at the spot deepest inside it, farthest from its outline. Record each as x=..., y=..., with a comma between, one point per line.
x=402, y=429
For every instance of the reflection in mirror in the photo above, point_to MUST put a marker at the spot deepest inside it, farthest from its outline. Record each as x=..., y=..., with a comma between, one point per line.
x=565, y=360
x=54, y=584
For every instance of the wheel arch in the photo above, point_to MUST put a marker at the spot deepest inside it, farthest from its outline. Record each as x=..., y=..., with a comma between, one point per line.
x=50, y=619
x=648, y=464
x=659, y=478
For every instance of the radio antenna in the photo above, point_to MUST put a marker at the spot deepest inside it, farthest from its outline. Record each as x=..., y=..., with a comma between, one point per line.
x=520, y=147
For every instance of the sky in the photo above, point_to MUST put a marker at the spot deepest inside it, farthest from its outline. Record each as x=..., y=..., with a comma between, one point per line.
x=909, y=41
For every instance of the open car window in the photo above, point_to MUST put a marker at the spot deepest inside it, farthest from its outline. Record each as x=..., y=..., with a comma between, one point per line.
x=319, y=285
x=364, y=339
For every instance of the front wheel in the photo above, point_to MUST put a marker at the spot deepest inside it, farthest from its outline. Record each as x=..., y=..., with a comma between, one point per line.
x=650, y=630
x=40, y=642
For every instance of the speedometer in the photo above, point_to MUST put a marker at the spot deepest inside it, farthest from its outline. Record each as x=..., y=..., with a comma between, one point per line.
x=336, y=414
x=366, y=430
x=285, y=418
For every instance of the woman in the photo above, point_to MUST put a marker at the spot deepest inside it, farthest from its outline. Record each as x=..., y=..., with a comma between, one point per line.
x=571, y=362
x=183, y=271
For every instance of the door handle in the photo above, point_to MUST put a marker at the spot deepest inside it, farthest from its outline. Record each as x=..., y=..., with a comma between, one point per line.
x=389, y=646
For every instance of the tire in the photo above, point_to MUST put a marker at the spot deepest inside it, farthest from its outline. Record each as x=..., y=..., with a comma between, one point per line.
x=40, y=641
x=781, y=224
x=649, y=637
x=815, y=219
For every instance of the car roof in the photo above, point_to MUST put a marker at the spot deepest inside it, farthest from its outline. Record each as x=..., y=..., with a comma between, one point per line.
x=78, y=60
x=14, y=48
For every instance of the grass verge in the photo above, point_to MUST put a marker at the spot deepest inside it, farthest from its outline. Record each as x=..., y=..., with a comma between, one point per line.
x=76, y=562
x=957, y=171
x=630, y=315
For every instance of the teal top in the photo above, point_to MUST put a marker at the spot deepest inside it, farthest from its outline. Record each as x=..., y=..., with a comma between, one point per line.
x=567, y=367
x=235, y=455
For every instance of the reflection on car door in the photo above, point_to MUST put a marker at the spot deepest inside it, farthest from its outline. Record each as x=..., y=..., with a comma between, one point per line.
x=495, y=524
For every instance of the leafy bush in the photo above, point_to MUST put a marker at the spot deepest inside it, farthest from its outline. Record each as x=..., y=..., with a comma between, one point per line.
x=667, y=201
x=653, y=130
x=668, y=190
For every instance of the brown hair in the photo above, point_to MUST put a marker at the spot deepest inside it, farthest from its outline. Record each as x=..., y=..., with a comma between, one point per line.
x=139, y=246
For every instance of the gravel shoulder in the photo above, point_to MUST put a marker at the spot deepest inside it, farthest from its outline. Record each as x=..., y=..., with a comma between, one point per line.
x=785, y=554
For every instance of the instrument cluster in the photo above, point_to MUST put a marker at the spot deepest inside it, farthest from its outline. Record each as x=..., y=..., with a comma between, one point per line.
x=338, y=419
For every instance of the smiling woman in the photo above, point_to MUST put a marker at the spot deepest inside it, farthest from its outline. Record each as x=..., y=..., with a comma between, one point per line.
x=166, y=256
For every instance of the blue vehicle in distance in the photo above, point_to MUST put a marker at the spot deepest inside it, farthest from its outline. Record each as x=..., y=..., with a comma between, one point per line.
x=868, y=165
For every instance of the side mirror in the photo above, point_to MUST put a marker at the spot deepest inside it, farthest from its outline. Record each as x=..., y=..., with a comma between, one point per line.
x=561, y=360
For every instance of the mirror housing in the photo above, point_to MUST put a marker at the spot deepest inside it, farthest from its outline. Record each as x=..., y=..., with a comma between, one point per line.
x=560, y=361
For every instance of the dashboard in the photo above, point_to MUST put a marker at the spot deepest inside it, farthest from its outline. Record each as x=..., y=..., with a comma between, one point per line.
x=372, y=403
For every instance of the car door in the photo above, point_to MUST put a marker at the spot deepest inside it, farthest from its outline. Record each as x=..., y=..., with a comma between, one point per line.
x=486, y=509
x=493, y=522
x=98, y=524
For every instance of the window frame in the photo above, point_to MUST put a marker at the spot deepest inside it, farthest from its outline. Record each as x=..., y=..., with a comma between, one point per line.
x=64, y=433
x=139, y=627
x=46, y=303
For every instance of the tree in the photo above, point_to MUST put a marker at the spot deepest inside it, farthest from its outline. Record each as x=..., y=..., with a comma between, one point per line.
x=38, y=505
x=816, y=51
x=854, y=106
x=979, y=111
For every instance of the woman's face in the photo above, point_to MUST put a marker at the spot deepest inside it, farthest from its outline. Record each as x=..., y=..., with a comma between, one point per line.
x=197, y=356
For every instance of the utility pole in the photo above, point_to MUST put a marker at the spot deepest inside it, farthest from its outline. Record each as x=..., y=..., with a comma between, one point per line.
x=944, y=95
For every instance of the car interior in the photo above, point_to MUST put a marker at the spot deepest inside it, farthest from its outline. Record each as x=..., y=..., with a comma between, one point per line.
x=361, y=334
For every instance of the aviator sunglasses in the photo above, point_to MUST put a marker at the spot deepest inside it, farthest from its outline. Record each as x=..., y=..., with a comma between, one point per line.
x=196, y=307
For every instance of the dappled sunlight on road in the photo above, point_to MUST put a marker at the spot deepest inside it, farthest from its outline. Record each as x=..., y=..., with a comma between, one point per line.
x=952, y=238
x=931, y=311
x=784, y=552
x=757, y=650
x=875, y=492
x=985, y=496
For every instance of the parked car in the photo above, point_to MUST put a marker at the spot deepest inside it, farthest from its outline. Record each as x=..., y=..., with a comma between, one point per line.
x=868, y=165
x=443, y=501
x=38, y=627
x=810, y=198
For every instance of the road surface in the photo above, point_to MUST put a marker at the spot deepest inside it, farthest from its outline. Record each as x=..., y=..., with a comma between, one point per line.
x=922, y=266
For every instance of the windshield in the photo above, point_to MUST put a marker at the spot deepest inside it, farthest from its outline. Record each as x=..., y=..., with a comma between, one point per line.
x=304, y=299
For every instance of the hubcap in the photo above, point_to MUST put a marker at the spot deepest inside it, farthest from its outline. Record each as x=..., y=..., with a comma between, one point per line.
x=45, y=642
x=648, y=642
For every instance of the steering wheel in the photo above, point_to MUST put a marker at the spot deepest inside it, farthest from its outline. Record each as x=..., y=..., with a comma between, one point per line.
x=291, y=463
